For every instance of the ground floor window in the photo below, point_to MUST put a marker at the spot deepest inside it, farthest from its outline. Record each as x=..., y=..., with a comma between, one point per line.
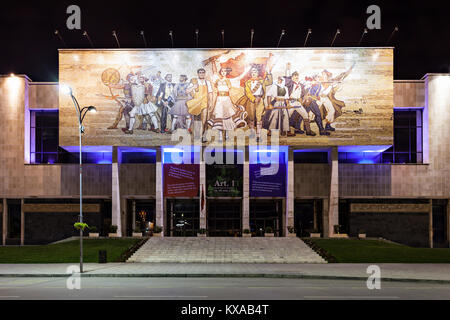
x=182, y=217
x=224, y=218
x=265, y=215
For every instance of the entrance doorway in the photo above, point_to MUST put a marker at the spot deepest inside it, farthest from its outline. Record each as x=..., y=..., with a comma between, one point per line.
x=440, y=224
x=264, y=214
x=224, y=218
x=182, y=218
x=307, y=217
x=14, y=221
x=140, y=213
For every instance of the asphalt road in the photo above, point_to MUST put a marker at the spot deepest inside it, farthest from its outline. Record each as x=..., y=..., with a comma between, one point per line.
x=216, y=289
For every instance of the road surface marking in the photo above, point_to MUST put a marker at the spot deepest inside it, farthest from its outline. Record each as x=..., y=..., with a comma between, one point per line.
x=351, y=297
x=160, y=296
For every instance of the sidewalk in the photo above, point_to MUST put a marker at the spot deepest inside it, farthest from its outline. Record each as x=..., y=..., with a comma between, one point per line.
x=390, y=272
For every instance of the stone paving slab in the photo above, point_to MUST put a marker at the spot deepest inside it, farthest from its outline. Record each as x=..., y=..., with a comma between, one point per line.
x=389, y=271
x=225, y=250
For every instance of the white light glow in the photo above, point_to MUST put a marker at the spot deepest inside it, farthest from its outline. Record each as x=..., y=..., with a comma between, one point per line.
x=65, y=89
x=375, y=56
x=13, y=84
x=172, y=150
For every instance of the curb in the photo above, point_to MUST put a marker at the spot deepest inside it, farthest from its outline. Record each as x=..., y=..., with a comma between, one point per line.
x=217, y=275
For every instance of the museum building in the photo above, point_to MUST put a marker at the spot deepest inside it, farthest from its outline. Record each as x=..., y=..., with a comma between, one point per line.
x=400, y=193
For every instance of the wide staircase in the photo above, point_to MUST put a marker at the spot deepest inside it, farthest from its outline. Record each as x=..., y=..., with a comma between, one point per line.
x=225, y=250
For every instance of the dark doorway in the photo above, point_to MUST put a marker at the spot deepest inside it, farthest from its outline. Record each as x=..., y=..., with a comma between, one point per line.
x=439, y=223
x=14, y=210
x=266, y=213
x=307, y=217
x=144, y=212
x=106, y=217
x=183, y=217
x=224, y=218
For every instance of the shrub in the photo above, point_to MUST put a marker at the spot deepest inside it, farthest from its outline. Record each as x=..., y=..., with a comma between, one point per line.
x=246, y=231
x=291, y=229
x=157, y=229
x=93, y=229
x=202, y=231
x=269, y=230
x=80, y=225
x=113, y=229
x=137, y=229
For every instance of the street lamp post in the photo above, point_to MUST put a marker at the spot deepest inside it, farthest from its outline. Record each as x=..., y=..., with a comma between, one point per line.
x=81, y=112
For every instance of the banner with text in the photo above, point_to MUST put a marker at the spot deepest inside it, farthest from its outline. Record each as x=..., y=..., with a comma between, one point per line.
x=267, y=180
x=181, y=180
x=224, y=180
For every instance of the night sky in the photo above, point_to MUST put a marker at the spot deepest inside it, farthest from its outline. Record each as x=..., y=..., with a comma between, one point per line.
x=29, y=45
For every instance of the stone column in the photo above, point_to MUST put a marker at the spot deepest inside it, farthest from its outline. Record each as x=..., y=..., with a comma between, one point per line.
x=333, y=204
x=5, y=221
x=133, y=216
x=115, y=199
x=290, y=191
x=246, y=192
x=202, y=191
x=22, y=222
x=159, y=199
x=325, y=218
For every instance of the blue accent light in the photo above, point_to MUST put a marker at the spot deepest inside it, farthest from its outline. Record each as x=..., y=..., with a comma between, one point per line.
x=104, y=162
x=366, y=161
x=181, y=154
x=268, y=154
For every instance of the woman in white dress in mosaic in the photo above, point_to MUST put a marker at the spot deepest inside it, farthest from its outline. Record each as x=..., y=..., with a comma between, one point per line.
x=226, y=115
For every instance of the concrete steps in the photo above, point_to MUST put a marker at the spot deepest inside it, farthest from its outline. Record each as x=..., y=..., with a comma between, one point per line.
x=225, y=250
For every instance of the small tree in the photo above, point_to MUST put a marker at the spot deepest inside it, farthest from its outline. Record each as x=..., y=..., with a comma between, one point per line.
x=80, y=225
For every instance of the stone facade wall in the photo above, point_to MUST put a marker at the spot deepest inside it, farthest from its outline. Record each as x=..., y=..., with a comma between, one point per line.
x=97, y=180
x=311, y=180
x=44, y=95
x=402, y=227
x=45, y=227
x=364, y=180
x=137, y=179
x=409, y=93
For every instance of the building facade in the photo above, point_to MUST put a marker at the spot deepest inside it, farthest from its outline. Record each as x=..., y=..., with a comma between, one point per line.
x=401, y=193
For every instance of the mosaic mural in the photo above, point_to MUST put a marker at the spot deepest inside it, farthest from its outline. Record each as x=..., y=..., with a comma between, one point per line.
x=307, y=96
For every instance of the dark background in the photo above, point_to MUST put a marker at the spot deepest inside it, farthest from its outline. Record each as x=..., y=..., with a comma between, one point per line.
x=29, y=45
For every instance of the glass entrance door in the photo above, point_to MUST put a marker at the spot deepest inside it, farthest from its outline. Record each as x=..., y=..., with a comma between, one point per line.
x=182, y=217
x=144, y=215
x=264, y=214
x=224, y=218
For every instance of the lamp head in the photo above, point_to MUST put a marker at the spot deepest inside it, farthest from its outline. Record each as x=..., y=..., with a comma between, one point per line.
x=66, y=89
x=92, y=109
